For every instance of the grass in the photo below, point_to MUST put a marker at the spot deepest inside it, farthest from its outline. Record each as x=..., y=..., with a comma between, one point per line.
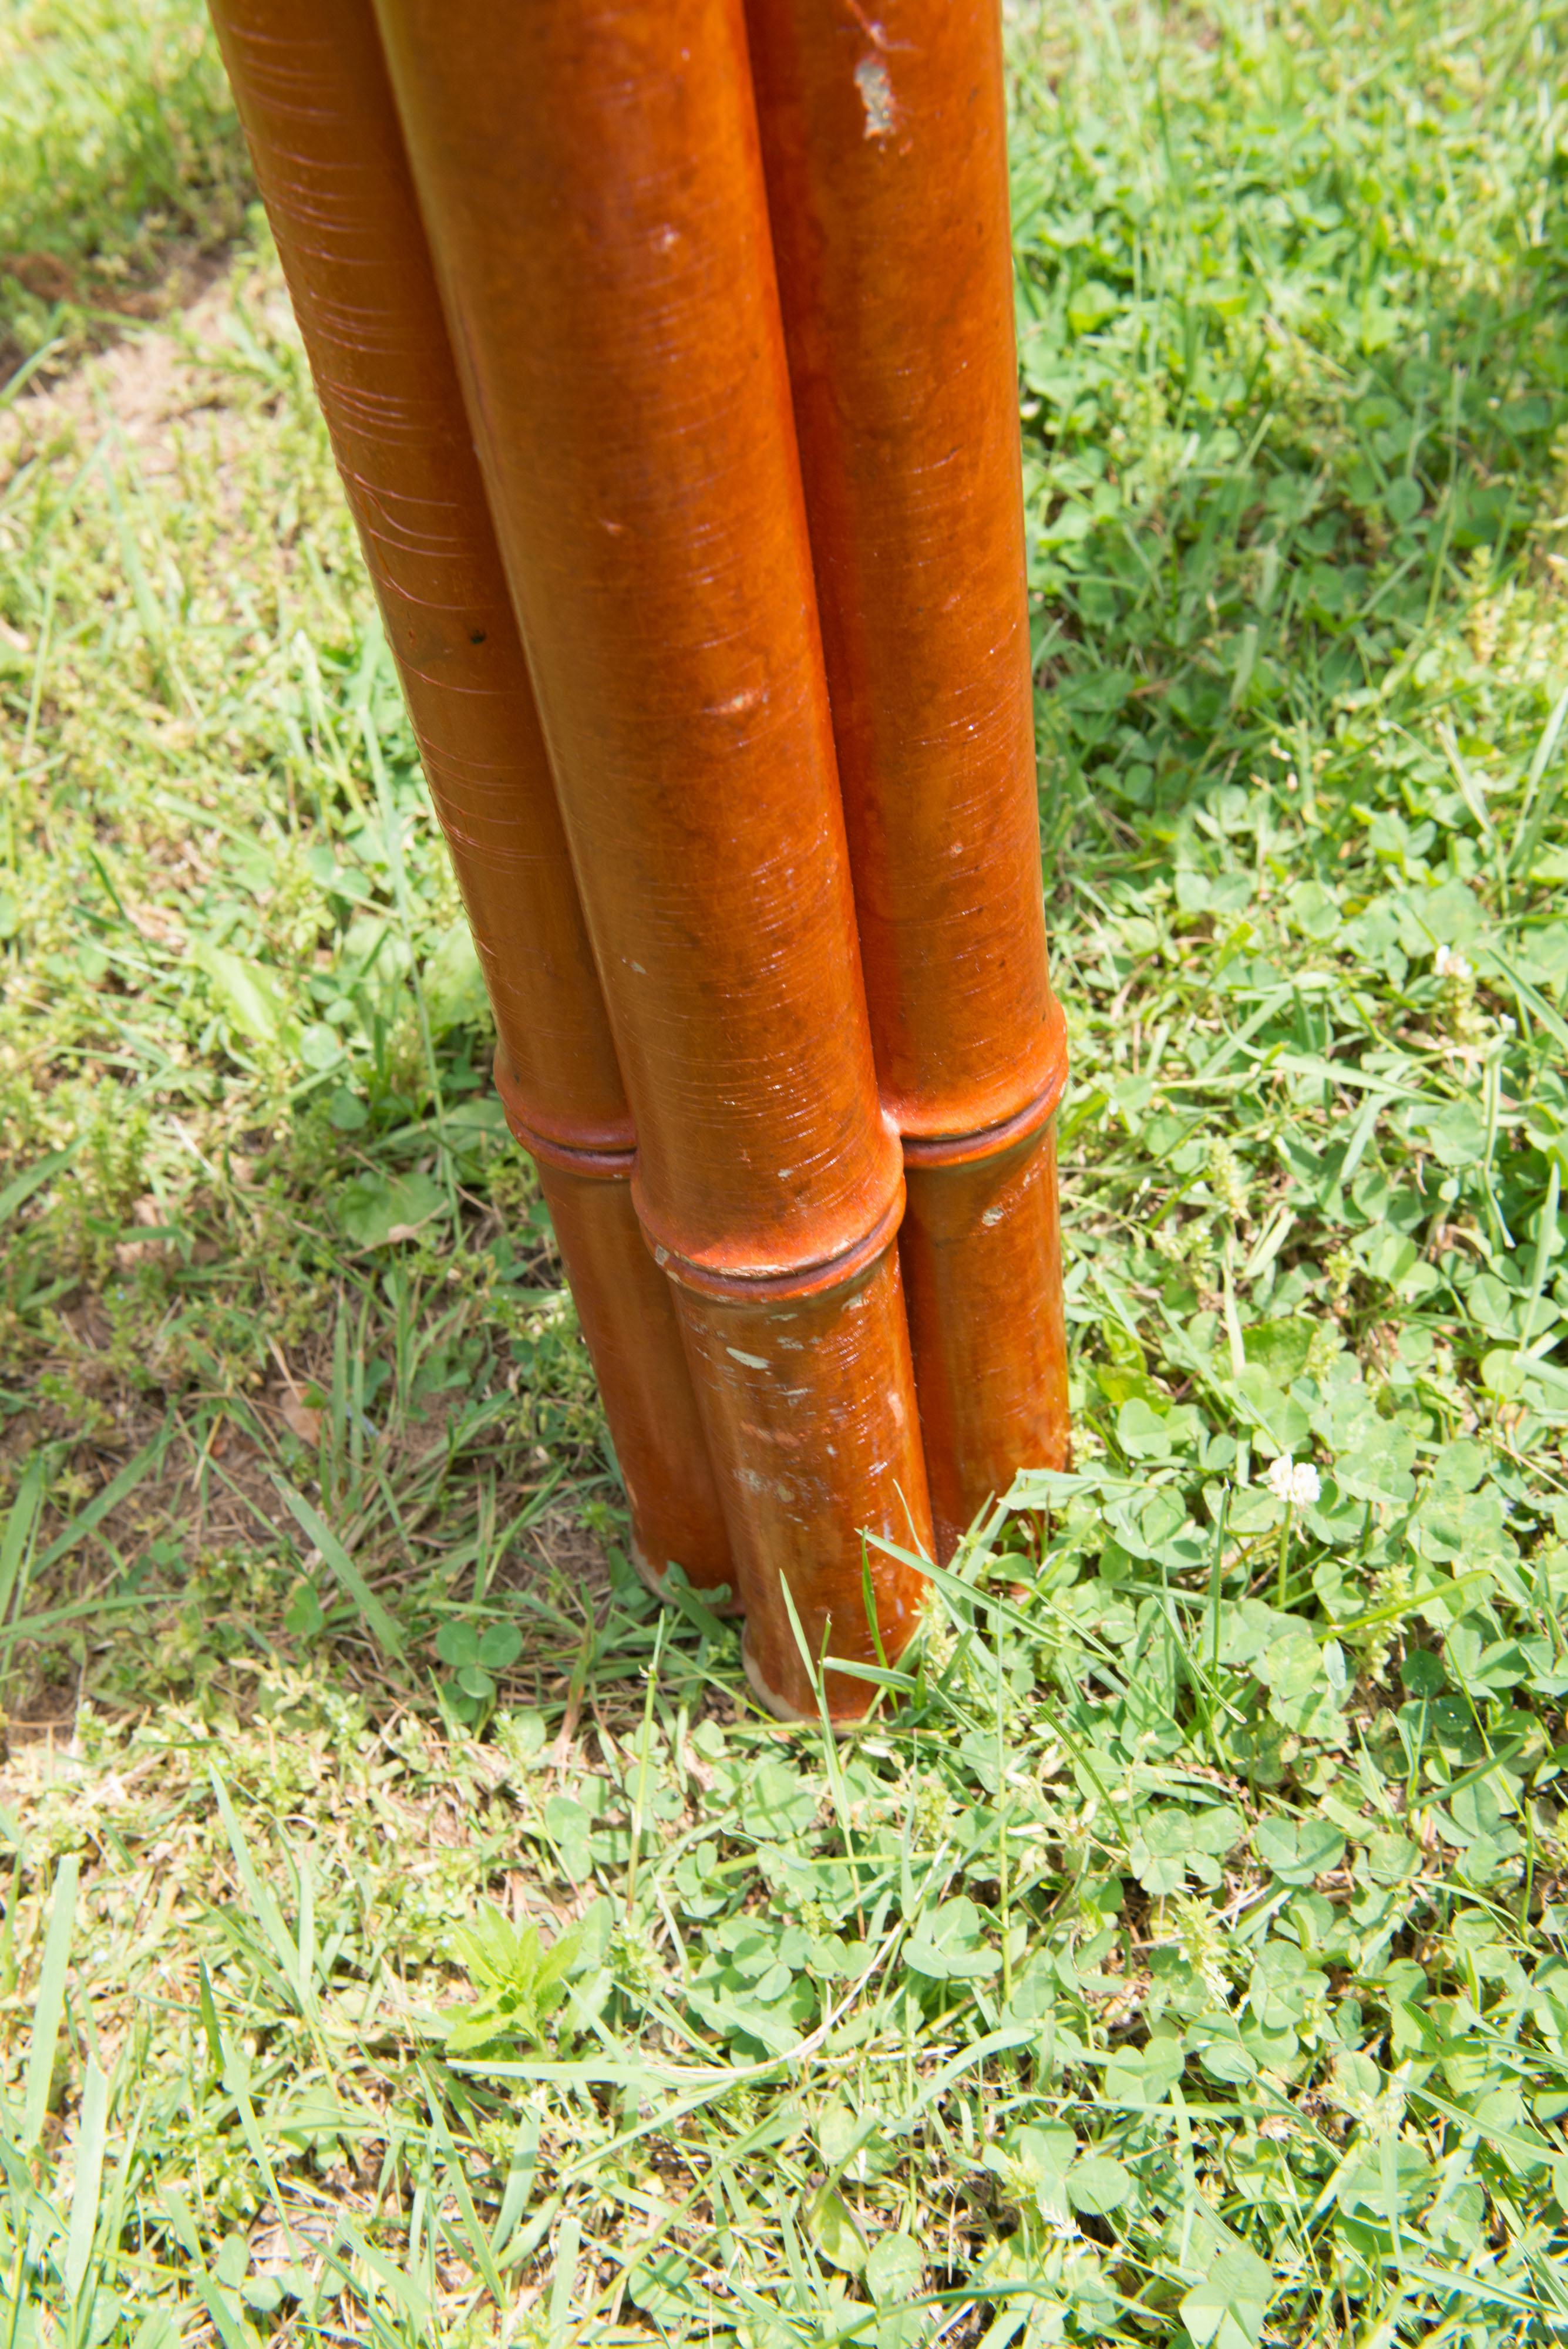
x=121, y=169
x=412, y=1935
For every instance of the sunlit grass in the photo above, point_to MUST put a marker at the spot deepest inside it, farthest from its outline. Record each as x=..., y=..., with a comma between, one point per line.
x=1180, y=1958
x=120, y=158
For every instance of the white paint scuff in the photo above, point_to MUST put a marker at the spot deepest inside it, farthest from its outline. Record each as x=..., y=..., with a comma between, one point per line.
x=876, y=97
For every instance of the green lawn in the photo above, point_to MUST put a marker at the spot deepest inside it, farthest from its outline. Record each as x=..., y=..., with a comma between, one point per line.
x=1181, y=1959
x=122, y=168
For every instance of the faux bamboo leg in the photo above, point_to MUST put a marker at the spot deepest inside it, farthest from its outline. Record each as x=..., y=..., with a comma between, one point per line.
x=592, y=185
x=317, y=110
x=627, y=1310
x=981, y=1232
x=885, y=147
x=794, y=1418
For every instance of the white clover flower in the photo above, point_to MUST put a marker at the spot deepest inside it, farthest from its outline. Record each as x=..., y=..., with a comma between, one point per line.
x=1448, y=963
x=1295, y=1481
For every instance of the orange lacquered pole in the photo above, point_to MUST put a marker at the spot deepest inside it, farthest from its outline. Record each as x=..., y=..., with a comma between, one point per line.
x=312, y=91
x=884, y=136
x=591, y=180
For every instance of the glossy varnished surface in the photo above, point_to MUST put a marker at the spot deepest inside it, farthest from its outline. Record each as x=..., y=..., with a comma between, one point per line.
x=810, y=1413
x=312, y=96
x=317, y=110
x=593, y=192
x=627, y=1310
x=981, y=1241
x=884, y=135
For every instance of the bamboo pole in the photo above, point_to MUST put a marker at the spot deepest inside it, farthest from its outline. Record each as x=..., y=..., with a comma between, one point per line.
x=885, y=151
x=317, y=110
x=592, y=185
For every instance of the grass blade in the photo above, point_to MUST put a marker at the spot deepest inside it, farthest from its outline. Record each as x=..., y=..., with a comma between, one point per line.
x=1548, y=1234
x=263, y=1908
x=409, y=2295
x=20, y=1519
x=98, y=1508
x=1538, y=804
x=233, y=2335
x=474, y=2233
x=48, y=2008
x=20, y=1190
x=519, y=2183
x=562, y=2281
x=85, y=2191
x=384, y=1630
